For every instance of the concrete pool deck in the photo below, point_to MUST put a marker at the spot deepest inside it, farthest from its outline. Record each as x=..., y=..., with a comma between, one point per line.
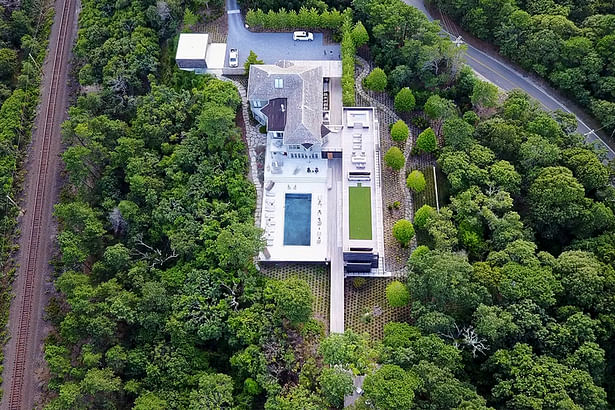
x=273, y=221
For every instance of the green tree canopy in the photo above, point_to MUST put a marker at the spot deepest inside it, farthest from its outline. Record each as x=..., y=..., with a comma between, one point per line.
x=349, y=350
x=526, y=379
x=376, y=80
x=416, y=181
x=556, y=199
x=391, y=387
x=335, y=383
x=404, y=100
x=293, y=299
x=457, y=133
x=484, y=96
x=426, y=141
x=400, y=131
x=403, y=231
x=397, y=294
x=443, y=281
x=394, y=158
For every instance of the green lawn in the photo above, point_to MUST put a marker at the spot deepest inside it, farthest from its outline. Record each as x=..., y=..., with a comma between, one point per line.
x=360, y=212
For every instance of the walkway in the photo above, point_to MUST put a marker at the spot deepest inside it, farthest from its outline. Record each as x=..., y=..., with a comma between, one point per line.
x=336, y=312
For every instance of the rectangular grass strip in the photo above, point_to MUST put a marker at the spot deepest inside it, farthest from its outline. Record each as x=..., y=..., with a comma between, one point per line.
x=360, y=212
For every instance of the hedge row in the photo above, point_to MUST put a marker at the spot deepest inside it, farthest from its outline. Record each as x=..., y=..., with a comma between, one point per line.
x=305, y=18
x=348, y=61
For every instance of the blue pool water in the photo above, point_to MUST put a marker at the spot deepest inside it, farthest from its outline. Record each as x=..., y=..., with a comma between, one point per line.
x=297, y=219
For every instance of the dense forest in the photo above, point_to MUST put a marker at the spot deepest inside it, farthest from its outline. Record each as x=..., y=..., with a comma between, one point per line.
x=160, y=304
x=571, y=43
x=516, y=272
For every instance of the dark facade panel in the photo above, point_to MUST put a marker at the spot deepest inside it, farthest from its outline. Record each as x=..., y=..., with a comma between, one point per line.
x=191, y=64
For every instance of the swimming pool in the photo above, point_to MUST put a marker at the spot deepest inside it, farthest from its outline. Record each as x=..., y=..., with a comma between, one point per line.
x=297, y=219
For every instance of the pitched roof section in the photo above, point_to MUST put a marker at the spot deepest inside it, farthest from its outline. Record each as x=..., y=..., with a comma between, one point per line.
x=302, y=89
x=276, y=114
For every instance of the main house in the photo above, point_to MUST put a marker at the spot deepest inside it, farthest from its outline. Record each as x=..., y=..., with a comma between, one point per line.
x=322, y=200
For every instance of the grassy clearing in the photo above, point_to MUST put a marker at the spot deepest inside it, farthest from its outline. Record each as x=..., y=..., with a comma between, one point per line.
x=360, y=212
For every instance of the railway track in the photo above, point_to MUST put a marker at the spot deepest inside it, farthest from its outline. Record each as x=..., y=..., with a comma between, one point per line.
x=35, y=239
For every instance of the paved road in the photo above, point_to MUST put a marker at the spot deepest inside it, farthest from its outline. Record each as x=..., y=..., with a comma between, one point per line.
x=271, y=47
x=508, y=78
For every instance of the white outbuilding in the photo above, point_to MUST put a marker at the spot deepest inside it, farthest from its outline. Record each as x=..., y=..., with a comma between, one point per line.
x=192, y=51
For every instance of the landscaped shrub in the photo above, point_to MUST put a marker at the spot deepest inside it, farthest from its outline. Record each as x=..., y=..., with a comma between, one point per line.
x=252, y=59
x=416, y=181
x=420, y=122
x=403, y=231
x=359, y=35
x=426, y=141
x=397, y=294
x=404, y=100
x=423, y=215
x=394, y=158
x=400, y=131
x=358, y=282
x=376, y=80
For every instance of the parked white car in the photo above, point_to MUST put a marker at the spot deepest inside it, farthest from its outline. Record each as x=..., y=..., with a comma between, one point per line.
x=303, y=35
x=233, y=57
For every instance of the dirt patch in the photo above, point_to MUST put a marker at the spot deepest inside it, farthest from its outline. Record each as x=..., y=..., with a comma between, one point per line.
x=215, y=24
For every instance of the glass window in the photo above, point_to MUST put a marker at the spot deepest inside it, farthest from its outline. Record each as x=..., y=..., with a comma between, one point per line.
x=279, y=83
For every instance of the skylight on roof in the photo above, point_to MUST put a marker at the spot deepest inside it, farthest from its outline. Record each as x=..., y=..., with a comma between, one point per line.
x=279, y=83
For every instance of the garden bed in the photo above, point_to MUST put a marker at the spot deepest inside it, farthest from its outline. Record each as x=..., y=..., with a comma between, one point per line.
x=367, y=309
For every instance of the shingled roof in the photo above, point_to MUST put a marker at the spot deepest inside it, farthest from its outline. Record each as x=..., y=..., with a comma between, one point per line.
x=302, y=90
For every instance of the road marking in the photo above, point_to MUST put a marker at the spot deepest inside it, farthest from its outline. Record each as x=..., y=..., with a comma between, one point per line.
x=236, y=11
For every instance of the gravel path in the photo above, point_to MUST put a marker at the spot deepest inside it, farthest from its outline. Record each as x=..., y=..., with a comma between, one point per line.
x=393, y=182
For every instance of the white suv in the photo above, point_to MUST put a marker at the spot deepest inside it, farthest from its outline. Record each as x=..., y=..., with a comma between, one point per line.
x=233, y=55
x=303, y=35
